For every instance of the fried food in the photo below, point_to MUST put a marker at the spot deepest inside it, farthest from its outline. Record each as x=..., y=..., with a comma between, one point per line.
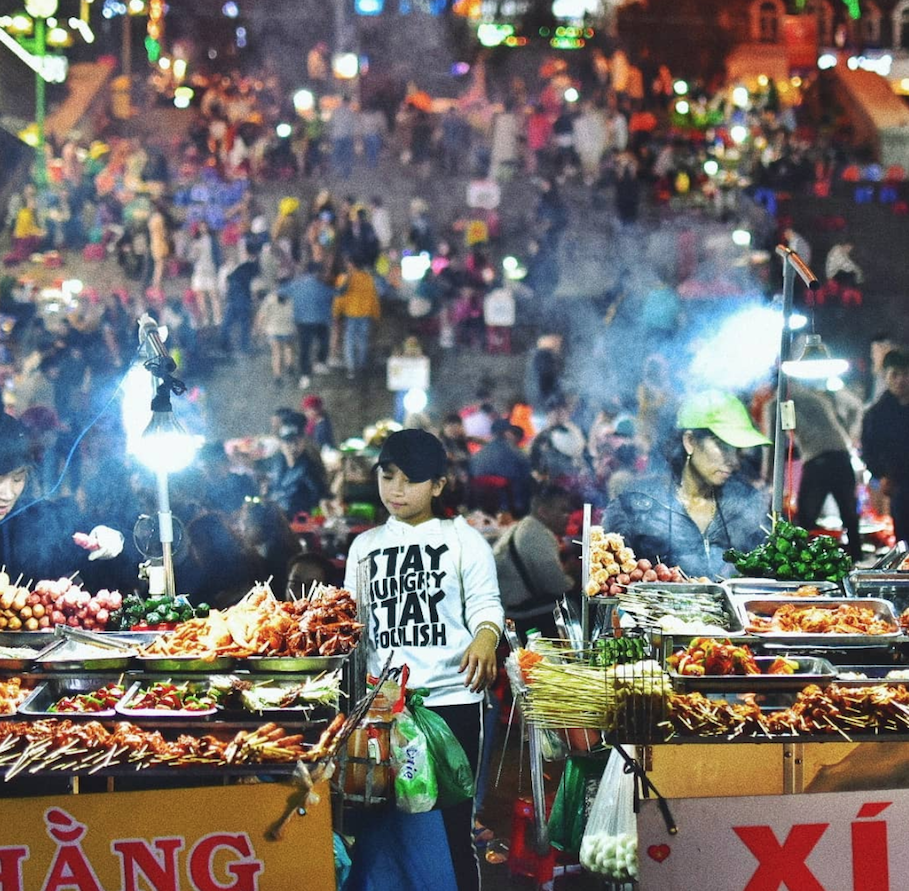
x=792, y=618
x=323, y=624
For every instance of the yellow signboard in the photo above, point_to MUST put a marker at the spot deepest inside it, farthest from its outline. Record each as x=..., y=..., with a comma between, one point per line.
x=209, y=839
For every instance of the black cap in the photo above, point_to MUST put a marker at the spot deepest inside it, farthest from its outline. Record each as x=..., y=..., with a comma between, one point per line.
x=503, y=425
x=419, y=455
x=292, y=426
x=13, y=444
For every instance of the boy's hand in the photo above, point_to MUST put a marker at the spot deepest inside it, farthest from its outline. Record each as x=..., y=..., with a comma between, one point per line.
x=479, y=661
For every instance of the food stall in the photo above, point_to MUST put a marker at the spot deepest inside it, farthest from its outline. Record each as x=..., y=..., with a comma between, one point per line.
x=207, y=747
x=730, y=701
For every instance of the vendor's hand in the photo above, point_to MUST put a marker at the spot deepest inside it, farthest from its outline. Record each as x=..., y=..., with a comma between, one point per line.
x=109, y=543
x=479, y=661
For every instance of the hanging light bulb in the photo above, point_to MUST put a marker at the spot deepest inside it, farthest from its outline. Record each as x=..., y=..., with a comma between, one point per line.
x=815, y=362
x=165, y=446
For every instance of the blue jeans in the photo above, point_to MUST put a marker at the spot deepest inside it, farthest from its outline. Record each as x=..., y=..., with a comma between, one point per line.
x=372, y=147
x=343, y=156
x=356, y=342
x=237, y=315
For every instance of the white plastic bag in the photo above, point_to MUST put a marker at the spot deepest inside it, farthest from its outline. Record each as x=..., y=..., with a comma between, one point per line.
x=610, y=844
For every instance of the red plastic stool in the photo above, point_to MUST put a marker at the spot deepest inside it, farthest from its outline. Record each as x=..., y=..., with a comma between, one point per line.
x=523, y=860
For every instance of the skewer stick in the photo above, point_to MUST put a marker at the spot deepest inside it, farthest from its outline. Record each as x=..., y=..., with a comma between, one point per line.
x=19, y=579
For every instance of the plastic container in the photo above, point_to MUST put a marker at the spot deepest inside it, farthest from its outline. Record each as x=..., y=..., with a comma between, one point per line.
x=523, y=858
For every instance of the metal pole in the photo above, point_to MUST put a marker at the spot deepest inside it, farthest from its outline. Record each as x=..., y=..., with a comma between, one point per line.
x=779, y=446
x=40, y=103
x=166, y=533
x=792, y=264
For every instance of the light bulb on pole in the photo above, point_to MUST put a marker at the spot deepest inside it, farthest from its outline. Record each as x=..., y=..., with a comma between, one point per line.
x=164, y=447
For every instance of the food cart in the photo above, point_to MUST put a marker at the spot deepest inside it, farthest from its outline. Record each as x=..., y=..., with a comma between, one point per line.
x=131, y=761
x=726, y=760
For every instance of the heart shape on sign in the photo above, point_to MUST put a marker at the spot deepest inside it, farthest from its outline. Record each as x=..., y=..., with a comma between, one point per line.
x=659, y=852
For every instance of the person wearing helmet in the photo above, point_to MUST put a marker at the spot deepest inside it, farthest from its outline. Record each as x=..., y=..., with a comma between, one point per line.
x=700, y=505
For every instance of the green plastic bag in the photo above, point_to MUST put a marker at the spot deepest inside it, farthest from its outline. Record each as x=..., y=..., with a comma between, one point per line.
x=453, y=774
x=572, y=804
x=415, y=780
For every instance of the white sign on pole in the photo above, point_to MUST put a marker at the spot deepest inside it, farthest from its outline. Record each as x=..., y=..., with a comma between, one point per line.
x=838, y=841
x=484, y=194
x=407, y=373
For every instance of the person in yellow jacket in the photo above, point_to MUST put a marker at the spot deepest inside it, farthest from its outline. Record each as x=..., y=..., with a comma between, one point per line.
x=357, y=303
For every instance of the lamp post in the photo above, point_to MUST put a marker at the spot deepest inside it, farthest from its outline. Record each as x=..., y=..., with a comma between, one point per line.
x=815, y=363
x=164, y=446
x=792, y=265
x=40, y=11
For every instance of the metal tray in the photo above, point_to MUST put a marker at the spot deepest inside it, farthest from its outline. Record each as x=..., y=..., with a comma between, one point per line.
x=883, y=609
x=756, y=587
x=45, y=695
x=67, y=655
x=18, y=663
x=275, y=713
x=298, y=664
x=122, y=708
x=734, y=624
x=889, y=585
x=811, y=670
x=173, y=664
x=875, y=675
x=890, y=562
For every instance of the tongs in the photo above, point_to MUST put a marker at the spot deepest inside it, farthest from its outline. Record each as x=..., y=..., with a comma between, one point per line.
x=305, y=778
x=93, y=638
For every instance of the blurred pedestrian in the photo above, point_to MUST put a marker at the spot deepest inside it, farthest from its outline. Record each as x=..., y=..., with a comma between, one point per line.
x=357, y=304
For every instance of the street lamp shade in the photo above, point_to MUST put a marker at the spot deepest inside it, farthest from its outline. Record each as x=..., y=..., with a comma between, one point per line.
x=165, y=446
x=41, y=9
x=815, y=362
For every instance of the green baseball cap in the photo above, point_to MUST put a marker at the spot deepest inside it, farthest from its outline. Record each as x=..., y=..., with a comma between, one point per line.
x=723, y=415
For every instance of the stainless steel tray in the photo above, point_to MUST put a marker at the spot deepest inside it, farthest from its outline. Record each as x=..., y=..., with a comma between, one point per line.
x=122, y=707
x=882, y=609
x=756, y=587
x=734, y=623
x=891, y=561
x=875, y=675
x=889, y=585
x=67, y=655
x=46, y=694
x=306, y=710
x=298, y=664
x=17, y=663
x=184, y=663
x=811, y=670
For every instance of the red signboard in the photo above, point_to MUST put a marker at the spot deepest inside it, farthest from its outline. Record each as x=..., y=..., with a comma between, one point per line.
x=800, y=37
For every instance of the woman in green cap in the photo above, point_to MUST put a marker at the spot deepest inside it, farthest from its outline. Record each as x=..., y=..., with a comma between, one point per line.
x=688, y=515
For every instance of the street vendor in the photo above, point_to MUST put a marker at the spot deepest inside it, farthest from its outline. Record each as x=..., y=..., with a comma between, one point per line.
x=688, y=515
x=37, y=534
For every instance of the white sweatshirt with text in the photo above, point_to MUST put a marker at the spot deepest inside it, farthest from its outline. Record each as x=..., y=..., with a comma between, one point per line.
x=429, y=588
